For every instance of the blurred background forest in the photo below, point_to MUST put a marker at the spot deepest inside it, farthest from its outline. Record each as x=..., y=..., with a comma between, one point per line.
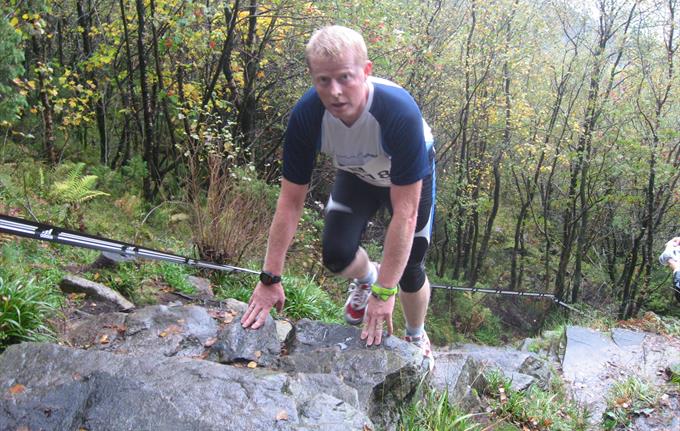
x=557, y=128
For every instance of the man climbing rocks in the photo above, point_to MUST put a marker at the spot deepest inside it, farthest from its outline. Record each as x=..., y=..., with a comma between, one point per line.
x=383, y=151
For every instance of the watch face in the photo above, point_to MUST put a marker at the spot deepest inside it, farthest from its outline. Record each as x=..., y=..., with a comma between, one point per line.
x=267, y=278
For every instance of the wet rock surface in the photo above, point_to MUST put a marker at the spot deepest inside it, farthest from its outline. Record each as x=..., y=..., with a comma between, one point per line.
x=181, y=366
x=595, y=361
x=189, y=367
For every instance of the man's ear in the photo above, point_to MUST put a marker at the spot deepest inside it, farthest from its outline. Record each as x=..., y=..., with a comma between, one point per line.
x=368, y=68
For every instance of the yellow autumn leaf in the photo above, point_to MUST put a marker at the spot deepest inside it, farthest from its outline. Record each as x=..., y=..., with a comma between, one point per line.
x=17, y=389
x=252, y=364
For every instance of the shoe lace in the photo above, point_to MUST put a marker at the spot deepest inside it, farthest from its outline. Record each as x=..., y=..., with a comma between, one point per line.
x=358, y=294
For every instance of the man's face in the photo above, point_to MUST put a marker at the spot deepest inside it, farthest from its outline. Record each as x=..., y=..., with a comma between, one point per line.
x=341, y=85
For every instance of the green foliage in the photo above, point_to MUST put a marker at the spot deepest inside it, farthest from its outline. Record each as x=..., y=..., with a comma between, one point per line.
x=434, y=413
x=674, y=370
x=11, y=100
x=456, y=316
x=235, y=286
x=535, y=408
x=76, y=187
x=25, y=306
x=627, y=399
x=176, y=276
x=135, y=169
x=305, y=299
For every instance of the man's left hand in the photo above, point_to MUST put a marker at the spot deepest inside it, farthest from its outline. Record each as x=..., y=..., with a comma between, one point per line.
x=377, y=313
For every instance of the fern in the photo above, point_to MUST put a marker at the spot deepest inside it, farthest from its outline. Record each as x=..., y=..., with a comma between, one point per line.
x=76, y=188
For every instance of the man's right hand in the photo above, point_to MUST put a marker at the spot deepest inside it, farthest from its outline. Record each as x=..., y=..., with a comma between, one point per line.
x=261, y=301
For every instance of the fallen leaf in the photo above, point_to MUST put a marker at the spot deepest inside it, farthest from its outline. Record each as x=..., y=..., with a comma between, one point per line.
x=210, y=341
x=17, y=389
x=252, y=364
x=367, y=428
x=282, y=415
x=104, y=339
x=172, y=329
x=216, y=314
x=258, y=354
x=228, y=318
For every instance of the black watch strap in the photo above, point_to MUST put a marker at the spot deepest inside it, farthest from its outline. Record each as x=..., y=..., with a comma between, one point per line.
x=267, y=278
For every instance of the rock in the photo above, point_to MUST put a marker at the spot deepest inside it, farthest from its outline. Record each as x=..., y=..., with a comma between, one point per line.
x=283, y=329
x=146, y=370
x=74, y=284
x=626, y=337
x=461, y=377
x=594, y=361
x=522, y=368
x=237, y=344
x=64, y=389
x=202, y=286
x=385, y=376
x=99, y=330
x=109, y=260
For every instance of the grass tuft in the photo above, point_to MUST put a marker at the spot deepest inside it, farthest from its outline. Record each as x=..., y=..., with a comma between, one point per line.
x=434, y=413
x=24, y=307
x=626, y=399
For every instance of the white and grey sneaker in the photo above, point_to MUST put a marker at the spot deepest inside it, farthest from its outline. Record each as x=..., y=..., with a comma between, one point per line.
x=672, y=251
x=355, y=306
x=423, y=343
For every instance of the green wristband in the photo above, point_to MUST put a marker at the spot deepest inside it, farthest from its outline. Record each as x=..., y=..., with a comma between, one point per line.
x=383, y=293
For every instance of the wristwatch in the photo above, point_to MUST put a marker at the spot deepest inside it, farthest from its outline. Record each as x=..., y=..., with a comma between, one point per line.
x=267, y=278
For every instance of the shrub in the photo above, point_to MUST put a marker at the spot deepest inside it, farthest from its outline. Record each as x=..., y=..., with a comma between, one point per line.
x=24, y=308
x=230, y=218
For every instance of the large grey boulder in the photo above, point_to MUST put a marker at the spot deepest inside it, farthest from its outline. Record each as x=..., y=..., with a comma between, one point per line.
x=594, y=361
x=461, y=371
x=188, y=367
x=51, y=387
x=385, y=376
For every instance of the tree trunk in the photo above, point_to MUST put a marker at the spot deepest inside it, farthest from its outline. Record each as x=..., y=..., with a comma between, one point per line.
x=149, y=157
x=85, y=23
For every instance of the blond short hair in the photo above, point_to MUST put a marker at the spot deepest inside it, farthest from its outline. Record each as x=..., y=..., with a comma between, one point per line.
x=335, y=40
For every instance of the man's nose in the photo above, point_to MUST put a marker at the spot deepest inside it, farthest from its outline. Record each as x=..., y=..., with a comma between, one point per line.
x=336, y=88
